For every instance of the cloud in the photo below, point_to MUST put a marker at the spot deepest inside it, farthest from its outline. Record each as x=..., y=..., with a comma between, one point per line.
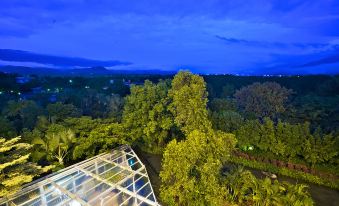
x=277, y=44
x=16, y=56
x=171, y=34
x=333, y=59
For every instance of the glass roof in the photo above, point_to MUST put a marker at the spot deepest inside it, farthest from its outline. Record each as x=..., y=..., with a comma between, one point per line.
x=116, y=178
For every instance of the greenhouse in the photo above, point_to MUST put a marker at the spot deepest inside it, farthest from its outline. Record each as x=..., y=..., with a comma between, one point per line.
x=116, y=178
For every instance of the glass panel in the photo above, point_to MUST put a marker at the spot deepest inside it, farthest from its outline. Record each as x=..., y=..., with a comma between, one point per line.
x=105, y=196
x=58, y=200
x=146, y=190
x=117, y=200
x=27, y=197
x=88, y=187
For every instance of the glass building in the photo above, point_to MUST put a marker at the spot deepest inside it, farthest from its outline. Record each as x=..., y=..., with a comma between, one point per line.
x=116, y=178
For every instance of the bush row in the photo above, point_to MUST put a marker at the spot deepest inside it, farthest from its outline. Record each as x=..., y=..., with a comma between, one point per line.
x=297, y=174
x=289, y=165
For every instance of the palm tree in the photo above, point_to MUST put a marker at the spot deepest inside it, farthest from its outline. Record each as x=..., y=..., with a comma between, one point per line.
x=56, y=143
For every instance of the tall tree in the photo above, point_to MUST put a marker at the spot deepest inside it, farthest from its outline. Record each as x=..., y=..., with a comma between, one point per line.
x=191, y=169
x=15, y=168
x=264, y=100
x=146, y=115
x=189, y=102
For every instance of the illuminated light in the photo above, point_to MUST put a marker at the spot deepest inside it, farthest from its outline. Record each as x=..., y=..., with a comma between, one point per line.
x=250, y=148
x=19, y=93
x=48, y=90
x=70, y=81
x=12, y=91
x=0, y=92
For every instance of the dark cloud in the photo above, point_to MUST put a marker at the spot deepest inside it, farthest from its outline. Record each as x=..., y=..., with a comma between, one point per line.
x=277, y=44
x=333, y=59
x=24, y=56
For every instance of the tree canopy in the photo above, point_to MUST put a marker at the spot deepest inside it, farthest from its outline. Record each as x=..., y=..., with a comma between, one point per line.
x=191, y=169
x=264, y=100
x=15, y=168
x=189, y=102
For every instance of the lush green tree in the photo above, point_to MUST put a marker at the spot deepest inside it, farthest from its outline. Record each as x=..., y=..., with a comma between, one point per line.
x=115, y=107
x=318, y=110
x=219, y=104
x=7, y=130
x=249, y=134
x=189, y=102
x=191, y=169
x=227, y=91
x=15, y=168
x=291, y=137
x=95, y=104
x=59, y=111
x=146, y=115
x=101, y=139
x=318, y=148
x=226, y=121
x=264, y=100
x=83, y=126
x=22, y=114
x=288, y=141
x=56, y=143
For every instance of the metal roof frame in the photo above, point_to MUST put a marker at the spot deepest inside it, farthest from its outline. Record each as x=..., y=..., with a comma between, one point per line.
x=115, y=178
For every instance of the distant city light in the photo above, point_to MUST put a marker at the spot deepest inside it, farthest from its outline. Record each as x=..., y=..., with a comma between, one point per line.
x=12, y=91
x=70, y=81
x=86, y=87
x=48, y=90
x=0, y=92
x=19, y=93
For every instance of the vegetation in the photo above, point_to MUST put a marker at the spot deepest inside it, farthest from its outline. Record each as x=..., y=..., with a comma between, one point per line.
x=288, y=141
x=263, y=100
x=146, y=115
x=15, y=168
x=244, y=188
x=189, y=102
x=288, y=119
x=191, y=169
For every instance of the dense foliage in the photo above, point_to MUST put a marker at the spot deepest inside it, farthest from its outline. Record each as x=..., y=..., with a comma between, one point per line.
x=263, y=100
x=191, y=169
x=146, y=115
x=243, y=188
x=15, y=168
x=288, y=141
x=65, y=120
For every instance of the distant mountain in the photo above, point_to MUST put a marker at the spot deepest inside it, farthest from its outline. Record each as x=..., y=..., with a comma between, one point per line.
x=11, y=55
x=92, y=71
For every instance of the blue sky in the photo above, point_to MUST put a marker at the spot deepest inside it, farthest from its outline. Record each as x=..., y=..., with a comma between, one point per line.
x=212, y=36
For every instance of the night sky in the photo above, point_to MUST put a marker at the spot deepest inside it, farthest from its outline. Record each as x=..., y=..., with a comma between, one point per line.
x=226, y=36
